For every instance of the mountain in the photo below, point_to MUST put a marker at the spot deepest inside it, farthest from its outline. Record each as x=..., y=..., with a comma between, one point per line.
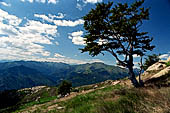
x=91, y=73
x=21, y=77
x=44, y=67
x=21, y=74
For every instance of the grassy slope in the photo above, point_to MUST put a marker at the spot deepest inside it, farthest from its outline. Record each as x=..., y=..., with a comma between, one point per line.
x=154, y=98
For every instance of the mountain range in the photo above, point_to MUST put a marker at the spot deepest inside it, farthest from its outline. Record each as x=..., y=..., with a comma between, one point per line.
x=24, y=74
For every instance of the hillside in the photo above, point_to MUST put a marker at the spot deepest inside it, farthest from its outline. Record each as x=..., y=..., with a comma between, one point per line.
x=105, y=97
x=24, y=74
x=22, y=77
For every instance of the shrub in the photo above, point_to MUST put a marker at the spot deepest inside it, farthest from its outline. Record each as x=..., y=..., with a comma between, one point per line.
x=64, y=88
x=168, y=63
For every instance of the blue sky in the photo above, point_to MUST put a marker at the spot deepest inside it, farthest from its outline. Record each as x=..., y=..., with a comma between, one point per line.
x=52, y=30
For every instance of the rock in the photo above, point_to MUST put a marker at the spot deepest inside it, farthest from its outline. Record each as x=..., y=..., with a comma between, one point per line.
x=60, y=108
x=115, y=82
x=157, y=66
x=96, y=86
x=38, y=98
x=59, y=96
x=162, y=72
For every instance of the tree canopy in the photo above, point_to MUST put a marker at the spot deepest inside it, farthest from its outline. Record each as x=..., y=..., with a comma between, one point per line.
x=116, y=29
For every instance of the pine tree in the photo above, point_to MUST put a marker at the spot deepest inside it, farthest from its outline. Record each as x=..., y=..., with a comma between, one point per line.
x=116, y=29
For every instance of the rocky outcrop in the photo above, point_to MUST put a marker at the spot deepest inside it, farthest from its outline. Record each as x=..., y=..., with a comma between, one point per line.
x=162, y=72
x=156, y=70
x=157, y=66
x=33, y=89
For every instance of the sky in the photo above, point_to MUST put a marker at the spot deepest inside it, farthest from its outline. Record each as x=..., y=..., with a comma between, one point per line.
x=52, y=30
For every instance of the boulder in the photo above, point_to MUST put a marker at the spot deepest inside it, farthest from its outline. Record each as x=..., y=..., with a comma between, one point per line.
x=162, y=72
x=157, y=66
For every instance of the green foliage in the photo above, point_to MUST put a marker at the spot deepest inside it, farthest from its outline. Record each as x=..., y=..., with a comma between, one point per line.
x=65, y=87
x=168, y=63
x=116, y=29
x=150, y=60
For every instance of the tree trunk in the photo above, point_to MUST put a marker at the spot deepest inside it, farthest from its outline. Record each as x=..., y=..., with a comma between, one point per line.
x=141, y=81
x=133, y=77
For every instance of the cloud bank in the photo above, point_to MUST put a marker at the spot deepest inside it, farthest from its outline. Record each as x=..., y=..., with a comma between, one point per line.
x=41, y=1
x=27, y=41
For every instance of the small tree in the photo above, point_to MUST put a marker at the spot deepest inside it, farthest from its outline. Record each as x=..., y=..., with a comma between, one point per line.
x=151, y=59
x=65, y=87
x=115, y=29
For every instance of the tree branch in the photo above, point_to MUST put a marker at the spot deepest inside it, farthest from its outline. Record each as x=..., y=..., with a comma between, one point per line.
x=114, y=54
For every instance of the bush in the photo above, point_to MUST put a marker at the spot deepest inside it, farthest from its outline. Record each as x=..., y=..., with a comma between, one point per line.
x=168, y=63
x=64, y=88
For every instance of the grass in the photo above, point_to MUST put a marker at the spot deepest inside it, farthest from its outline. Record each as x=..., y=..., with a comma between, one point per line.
x=118, y=99
x=43, y=95
x=102, y=98
x=167, y=63
x=41, y=101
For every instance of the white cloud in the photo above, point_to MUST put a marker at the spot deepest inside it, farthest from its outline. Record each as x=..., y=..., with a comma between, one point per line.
x=92, y=1
x=5, y=4
x=46, y=53
x=24, y=42
x=164, y=56
x=102, y=41
x=42, y=1
x=31, y=1
x=82, y=3
x=39, y=32
x=50, y=17
x=78, y=33
x=10, y=19
x=53, y=1
x=68, y=22
x=44, y=17
x=57, y=43
x=65, y=23
x=77, y=38
x=58, y=55
x=79, y=6
x=59, y=16
x=93, y=60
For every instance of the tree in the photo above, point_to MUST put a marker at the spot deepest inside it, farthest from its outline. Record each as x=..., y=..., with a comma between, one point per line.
x=65, y=87
x=116, y=29
x=151, y=59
